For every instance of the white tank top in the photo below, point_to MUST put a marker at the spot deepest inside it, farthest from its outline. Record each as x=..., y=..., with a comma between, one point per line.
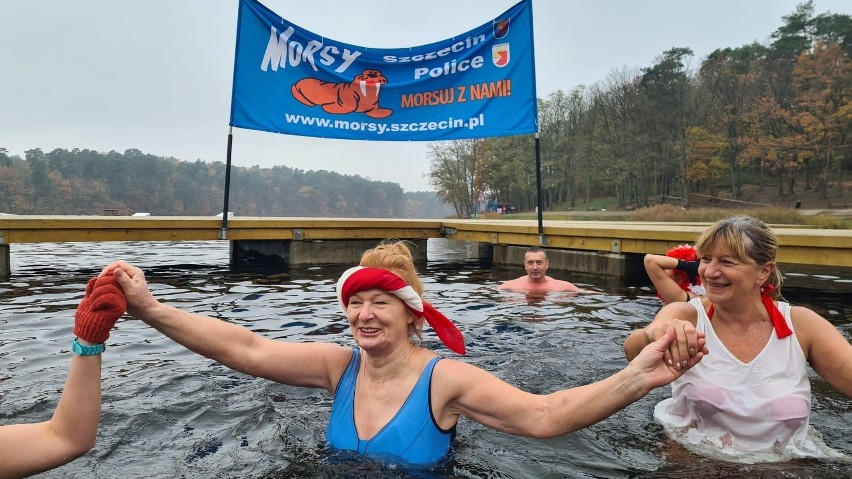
x=746, y=412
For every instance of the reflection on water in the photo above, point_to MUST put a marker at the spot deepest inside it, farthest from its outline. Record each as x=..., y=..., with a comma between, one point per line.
x=170, y=413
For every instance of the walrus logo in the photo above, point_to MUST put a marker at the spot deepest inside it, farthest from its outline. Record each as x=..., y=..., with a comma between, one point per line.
x=361, y=95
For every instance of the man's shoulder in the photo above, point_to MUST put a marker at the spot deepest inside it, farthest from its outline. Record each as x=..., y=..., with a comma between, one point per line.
x=522, y=281
x=560, y=285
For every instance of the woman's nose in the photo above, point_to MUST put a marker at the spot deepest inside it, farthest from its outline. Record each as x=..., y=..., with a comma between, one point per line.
x=366, y=311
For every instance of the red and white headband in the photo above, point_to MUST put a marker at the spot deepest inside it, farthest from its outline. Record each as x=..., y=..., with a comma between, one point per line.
x=359, y=278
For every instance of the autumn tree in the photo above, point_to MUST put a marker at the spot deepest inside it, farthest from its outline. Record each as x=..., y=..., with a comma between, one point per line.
x=792, y=38
x=732, y=79
x=705, y=151
x=823, y=79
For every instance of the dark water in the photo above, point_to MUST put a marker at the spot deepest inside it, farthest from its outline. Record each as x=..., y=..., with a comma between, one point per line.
x=170, y=413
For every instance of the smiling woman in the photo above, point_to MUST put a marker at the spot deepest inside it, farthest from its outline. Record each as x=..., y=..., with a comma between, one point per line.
x=749, y=400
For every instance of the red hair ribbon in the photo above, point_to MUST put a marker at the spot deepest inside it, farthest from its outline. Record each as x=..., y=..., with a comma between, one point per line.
x=360, y=278
x=782, y=330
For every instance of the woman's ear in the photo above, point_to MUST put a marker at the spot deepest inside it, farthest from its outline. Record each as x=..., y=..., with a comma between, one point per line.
x=765, y=271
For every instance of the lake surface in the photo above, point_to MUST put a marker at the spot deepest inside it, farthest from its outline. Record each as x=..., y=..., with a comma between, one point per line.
x=168, y=412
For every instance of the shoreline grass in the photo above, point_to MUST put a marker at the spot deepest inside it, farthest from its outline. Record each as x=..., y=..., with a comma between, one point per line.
x=675, y=214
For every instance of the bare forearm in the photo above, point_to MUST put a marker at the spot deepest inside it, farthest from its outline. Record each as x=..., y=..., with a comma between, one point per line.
x=660, y=261
x=213, y=338
x=580, y=407
x=634, y=344
x=209, y=337
x=79, y=410
x=27, y=449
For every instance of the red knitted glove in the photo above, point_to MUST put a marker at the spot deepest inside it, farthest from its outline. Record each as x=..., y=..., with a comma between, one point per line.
x=101, y=307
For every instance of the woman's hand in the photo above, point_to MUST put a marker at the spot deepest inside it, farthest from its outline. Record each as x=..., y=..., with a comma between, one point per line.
x=135, y=287
x=685, y=345
x=658, y=370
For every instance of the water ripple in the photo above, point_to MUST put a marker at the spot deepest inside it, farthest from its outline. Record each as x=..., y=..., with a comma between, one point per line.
x=168, y=412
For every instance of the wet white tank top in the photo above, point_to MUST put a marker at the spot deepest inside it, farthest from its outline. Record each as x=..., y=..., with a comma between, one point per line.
x=750, y=412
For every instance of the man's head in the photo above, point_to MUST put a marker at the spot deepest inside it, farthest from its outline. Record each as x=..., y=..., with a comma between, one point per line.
x=535, y=263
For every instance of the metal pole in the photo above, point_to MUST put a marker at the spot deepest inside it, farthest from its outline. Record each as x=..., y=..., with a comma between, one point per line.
x=223, y=233
x=538, y=189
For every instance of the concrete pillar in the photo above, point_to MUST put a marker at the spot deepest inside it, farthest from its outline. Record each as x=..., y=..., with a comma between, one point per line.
x=479, y=250
x=609, y=264
x=283, y=253
x=5, y=262
x=273, y=254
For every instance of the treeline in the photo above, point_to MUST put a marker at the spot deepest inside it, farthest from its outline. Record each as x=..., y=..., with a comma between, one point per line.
x=86, y=182
x=776, y=115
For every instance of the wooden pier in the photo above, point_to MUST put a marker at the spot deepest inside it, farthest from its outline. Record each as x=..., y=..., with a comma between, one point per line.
x=797, y=245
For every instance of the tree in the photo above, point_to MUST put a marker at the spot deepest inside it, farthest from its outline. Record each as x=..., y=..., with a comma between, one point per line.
x=704, y=151
x=561, y=120
x=732, y=77
x=5, y=161
x=509, y=174
x=666, y=91
x=616, y=141
x=823, y=78
x=456, y=172
x=13, y=191
x=38, y=176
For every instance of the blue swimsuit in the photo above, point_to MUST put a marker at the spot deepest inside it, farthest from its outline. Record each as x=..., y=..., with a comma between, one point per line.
x=412, y=436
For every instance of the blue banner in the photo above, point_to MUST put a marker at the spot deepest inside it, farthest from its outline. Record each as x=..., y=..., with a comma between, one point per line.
x=475, y=85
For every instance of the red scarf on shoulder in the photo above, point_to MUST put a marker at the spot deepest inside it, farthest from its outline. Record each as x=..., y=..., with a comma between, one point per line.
x=778, y=321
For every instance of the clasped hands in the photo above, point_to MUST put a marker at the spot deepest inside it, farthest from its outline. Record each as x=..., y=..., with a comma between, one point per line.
x=102, y=305
x=687, y=343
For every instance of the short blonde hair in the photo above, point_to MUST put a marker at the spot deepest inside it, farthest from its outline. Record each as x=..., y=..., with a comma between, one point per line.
x=395, y=256
x=749, y=239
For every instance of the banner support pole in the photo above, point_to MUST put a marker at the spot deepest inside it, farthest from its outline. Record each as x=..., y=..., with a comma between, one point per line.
x=223, y=233
x=541, y=240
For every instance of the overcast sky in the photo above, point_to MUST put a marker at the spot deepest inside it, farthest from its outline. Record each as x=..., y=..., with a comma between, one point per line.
x=156, y=74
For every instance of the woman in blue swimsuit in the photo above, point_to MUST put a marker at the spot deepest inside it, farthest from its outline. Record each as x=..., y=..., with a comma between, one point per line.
x=394, y=399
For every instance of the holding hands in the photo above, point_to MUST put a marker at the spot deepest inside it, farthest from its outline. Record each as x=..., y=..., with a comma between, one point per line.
x=685, y=345
x=102, y=305
x=670, y=355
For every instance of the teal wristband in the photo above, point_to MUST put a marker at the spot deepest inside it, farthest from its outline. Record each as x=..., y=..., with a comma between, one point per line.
x=83, y=350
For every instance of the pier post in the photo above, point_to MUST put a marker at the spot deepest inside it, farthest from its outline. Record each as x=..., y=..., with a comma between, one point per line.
x=480, y=250
x=5, y=262
x=284, y=253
